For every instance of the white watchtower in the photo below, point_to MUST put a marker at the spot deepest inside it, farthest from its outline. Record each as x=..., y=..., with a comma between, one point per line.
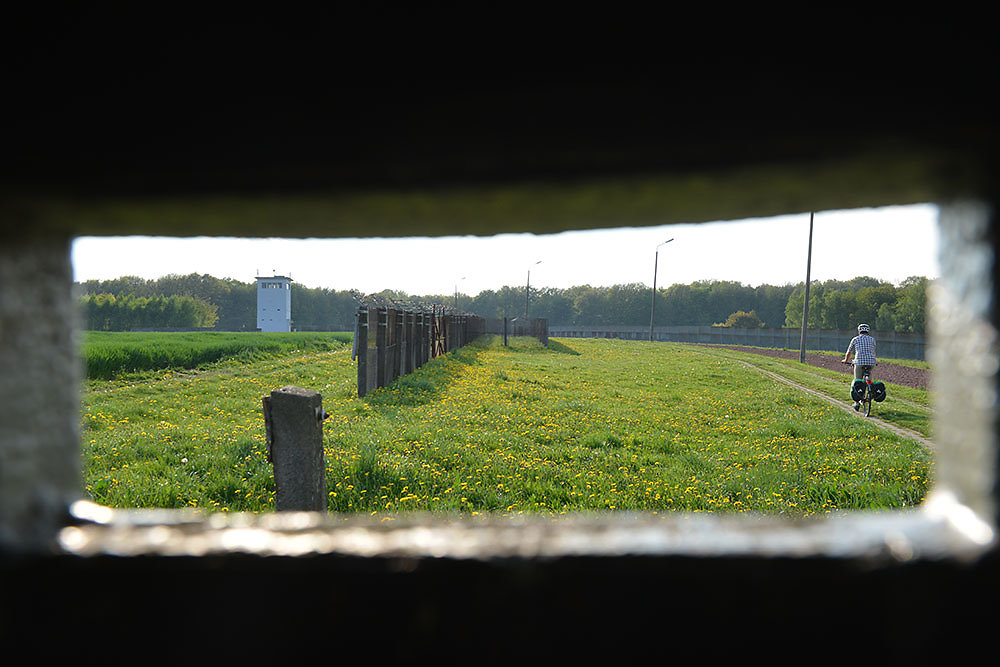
x=274, y=303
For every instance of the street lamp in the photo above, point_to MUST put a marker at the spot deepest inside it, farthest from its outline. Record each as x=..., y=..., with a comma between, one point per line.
x=805, y=304
x=527, y=289
x=456, y=291
x=652, y=310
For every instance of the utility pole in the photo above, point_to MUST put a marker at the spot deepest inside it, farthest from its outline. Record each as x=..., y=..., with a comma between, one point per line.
x=805, y=305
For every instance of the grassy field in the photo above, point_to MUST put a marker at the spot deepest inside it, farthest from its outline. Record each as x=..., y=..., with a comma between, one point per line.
x=909, y=408
x=583, y=425
x=109, y=355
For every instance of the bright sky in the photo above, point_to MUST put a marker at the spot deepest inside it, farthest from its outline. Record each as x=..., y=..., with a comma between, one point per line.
x=890, y=243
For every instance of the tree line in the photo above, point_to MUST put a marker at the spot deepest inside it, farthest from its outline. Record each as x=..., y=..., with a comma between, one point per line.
x=233, y=304
x=843, y=304
x=128, y=312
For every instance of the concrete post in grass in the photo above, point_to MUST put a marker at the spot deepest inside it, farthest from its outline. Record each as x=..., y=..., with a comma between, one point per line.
x=293, y=419
x=380, y=345
x=361, y=350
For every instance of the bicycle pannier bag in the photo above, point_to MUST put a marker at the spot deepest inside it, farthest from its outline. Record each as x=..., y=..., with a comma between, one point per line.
x=858, y=390
x=878, y=391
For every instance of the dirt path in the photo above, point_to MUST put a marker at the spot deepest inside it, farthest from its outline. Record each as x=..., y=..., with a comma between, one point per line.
x=898, y=430
x=906, y=376
x=900, y=373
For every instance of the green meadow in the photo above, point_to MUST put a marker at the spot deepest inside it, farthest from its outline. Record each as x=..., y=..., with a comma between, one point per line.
x=582, y=425
x=109, y=355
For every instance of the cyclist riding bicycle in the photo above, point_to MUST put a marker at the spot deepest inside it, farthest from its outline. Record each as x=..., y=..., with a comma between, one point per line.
x=863, y=347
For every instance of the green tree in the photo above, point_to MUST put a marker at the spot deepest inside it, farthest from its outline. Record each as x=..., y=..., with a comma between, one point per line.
x=885, y=320
x=106, y=312
x=590, y=306
x=553, y=304
x=838, y=309
x=911, y=305
x=769, y=303
x=485, y=304
x=743, y=320
x=678, y=306
x=796, y=303
x=871, y=299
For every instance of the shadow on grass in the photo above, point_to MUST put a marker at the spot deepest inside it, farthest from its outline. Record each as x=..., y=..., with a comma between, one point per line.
x=426, y=384
x=560, y=348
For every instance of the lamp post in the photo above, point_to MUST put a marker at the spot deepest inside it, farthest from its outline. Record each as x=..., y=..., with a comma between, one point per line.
x=652, y=309
x=456, y=291
x=527, y=289
x=805, y=303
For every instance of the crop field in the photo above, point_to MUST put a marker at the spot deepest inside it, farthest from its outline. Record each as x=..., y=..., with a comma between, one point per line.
x=581, y=426
x=108, y=355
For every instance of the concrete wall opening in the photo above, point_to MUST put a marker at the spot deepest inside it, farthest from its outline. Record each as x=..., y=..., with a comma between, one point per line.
x=118, y=131
x=950, y=489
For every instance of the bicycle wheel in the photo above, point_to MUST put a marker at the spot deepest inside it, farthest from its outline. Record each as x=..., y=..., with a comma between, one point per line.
x=868, y=401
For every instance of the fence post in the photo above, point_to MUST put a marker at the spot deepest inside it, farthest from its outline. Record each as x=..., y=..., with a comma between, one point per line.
x=426, y=340
x=406, y=345
x=415, y=342
x=361, y=346
x=397, y=344
x=293, y=422
x=418, y=340
x=383, y=316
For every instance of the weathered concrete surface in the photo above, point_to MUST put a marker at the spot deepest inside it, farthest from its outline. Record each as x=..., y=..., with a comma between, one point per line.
x=296, y=433
x=39, y=399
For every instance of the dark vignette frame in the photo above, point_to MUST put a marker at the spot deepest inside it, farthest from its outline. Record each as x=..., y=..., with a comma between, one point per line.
x=524, y=155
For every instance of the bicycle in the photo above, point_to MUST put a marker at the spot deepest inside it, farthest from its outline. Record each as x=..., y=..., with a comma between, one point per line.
x=866, y=399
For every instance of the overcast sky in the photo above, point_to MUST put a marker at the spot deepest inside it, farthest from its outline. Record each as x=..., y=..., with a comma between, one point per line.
x=890, y=243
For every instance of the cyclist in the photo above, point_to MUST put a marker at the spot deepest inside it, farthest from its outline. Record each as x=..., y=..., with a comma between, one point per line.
x=863, y=347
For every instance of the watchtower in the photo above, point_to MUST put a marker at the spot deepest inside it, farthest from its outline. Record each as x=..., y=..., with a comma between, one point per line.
x=274, y=303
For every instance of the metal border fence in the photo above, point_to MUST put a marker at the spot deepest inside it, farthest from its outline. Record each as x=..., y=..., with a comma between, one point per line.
x=891, y=344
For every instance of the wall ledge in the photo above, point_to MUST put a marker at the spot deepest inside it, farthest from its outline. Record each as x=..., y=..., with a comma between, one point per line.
x=942, y=529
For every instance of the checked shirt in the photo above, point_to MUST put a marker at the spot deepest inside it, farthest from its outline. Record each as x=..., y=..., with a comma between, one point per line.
x=864, y=350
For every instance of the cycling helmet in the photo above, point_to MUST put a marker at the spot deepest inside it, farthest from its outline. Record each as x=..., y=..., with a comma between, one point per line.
x=863, y=328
